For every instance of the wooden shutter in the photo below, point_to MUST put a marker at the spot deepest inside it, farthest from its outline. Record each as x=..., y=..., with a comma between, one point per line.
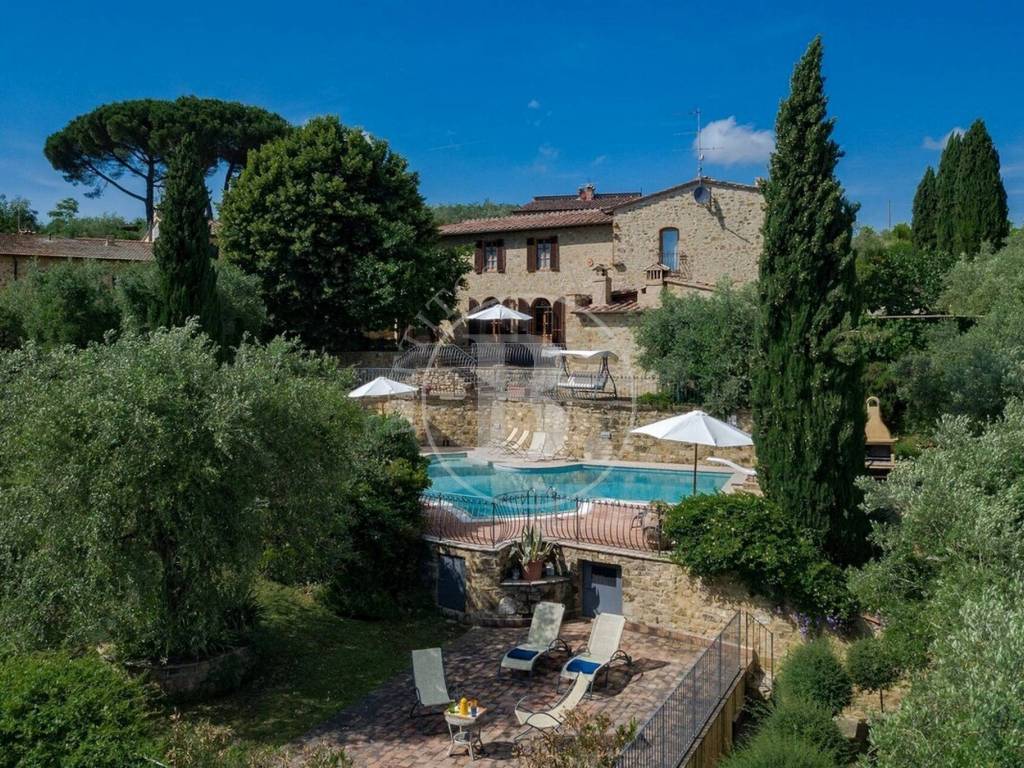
x=558, y=321
x=531, y=255
x=554, y=254
x=501, y=255
x=478, y=257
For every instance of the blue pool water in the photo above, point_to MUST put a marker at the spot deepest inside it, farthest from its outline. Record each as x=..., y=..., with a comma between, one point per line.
x=456, y=474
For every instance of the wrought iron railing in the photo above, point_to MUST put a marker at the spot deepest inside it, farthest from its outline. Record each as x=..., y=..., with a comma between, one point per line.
x=494, y=522
x=484, y=353
x=668, y=736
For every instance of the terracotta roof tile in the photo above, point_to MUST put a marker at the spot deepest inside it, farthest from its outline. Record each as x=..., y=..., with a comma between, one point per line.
x=522, y=222
x=547, y=203
x=691, y=183
x=40, y=246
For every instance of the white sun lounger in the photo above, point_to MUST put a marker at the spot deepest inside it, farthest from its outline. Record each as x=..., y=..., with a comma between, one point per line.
x=599, y=652
x=518, y=446
x=541, y=640
x=546, y=719
x=507, y=440
x=536, y=449
x=428, y=679
x=732, y=465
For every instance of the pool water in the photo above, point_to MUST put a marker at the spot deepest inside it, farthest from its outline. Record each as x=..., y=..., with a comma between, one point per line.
x=457, y=474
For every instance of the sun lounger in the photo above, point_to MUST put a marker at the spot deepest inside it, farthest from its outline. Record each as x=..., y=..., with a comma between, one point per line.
x=546, y=719
x=536, y=449
x=541, y=640
x=732, y=465
x=428, y=679
x=518, y=446
x=599, y=652
x=507, y=440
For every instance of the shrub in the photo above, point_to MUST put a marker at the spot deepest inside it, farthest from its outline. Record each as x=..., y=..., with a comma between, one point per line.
x=752, y=539
x=798, y=718
x=65, y=304
x=702, y=346
x=384, y=524
x=62, y=712
x=771, y=750
x=871, y=666
x=811, y=671
x=583, y=741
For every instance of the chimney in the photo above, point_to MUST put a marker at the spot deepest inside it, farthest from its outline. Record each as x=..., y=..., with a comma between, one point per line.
x=109, y=241
x=587, y=193
x=602, y=287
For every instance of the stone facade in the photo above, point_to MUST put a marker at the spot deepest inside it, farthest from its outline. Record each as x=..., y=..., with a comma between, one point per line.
x=603, y=279
x=719, y=240
x=20, y=253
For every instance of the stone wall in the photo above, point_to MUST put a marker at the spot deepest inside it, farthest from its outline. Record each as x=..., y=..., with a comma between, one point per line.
x=655, y=591
x=723, y=239
x=589, y=430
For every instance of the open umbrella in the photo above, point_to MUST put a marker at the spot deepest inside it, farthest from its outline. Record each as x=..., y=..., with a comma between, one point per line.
x=698, y=428
x=382, y=387
x=499, y=312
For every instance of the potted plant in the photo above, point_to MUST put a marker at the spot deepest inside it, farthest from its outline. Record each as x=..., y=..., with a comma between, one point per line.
x=531, y=551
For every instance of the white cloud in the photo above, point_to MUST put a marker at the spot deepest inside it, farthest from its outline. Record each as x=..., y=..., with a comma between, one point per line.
x=939, y=144
x=533, y=104
x=599, y=160
x=727, y=143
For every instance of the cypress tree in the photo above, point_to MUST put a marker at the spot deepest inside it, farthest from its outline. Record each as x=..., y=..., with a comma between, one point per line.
x=945, y=224
x=183, y=251
x=981, y=210
x=807, y=393
x=925, y=213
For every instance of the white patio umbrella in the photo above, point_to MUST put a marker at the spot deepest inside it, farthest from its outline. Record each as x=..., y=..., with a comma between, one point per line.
x=499, y=312
x=382, y=387
x=698, y=428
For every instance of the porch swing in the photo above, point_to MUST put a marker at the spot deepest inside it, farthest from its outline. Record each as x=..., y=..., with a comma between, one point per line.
x=585, y=385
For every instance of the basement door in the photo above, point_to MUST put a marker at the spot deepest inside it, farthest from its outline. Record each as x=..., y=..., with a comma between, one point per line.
x=451, y=582
x=602, y=588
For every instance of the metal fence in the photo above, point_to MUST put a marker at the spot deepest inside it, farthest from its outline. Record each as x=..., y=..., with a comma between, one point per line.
x=567, y=520
x=666, y=738
x=510, y=383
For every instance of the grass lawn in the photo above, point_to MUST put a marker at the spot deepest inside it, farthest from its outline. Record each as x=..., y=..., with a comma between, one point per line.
x=313, y=664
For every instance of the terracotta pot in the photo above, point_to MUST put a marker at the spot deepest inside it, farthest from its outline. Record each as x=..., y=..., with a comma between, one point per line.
x=533, y=571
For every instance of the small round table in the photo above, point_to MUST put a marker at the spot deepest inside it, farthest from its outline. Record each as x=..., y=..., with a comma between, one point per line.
x=465, y=731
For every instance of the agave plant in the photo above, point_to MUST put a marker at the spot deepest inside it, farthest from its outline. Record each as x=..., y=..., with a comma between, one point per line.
x=531, y=547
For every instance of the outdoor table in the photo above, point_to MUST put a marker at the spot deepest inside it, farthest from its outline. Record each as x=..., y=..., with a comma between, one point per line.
x=465, y=731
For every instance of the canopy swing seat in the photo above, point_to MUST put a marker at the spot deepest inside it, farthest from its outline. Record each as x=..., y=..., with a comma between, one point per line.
x=581, y=384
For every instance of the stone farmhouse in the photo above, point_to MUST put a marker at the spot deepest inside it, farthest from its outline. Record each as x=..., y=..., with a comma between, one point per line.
x=19, y=252
x=586, y=266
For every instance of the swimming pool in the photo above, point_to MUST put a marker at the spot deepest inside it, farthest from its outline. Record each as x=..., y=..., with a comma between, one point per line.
x=460, y=475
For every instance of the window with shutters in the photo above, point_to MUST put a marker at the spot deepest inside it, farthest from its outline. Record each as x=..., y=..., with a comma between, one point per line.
x=492, y=251
x=544, y=248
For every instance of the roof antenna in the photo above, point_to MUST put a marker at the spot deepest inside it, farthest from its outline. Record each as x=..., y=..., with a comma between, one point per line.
x=701, y=193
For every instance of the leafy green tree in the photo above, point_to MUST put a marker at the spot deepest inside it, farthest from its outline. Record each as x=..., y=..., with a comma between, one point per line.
x=63, y=214
x=17, y=215
x=926, y=212
x=126, y=144
x=702, y=346
x=871, y=666
x=813, y=672
x=807, y=391
x=982, y=215
x=452, y=213
x=949, y=165
x=332, y=222
x=64, y=304
x=183, y=252
x=104, y=225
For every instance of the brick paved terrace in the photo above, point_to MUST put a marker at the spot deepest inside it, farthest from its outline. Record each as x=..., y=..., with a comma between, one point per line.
x=377, y=732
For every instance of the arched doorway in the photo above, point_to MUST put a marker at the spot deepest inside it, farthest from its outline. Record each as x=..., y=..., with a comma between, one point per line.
x=548, y=320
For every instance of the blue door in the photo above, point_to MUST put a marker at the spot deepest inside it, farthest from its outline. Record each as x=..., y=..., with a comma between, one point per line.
x=451, y=582
x=602, y=588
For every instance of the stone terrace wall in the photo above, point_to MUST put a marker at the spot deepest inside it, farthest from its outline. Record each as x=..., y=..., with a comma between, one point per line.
x=592, y=430
x=655, y=591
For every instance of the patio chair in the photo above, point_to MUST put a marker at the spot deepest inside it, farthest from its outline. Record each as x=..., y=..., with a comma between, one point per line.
x=518, y=446
x=745, y=471
x=599, y=652
x=501, y=442
x=428, y=679
x=546, y=719
x=536, y=450
x=540, y=641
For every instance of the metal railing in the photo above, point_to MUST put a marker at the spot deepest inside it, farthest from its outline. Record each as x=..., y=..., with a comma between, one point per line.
x=665, y=739
x=497, y=521
x=510, y=383
x=482, y=353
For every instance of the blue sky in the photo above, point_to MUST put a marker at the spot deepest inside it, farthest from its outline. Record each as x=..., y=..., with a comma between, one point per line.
x=506, y=100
